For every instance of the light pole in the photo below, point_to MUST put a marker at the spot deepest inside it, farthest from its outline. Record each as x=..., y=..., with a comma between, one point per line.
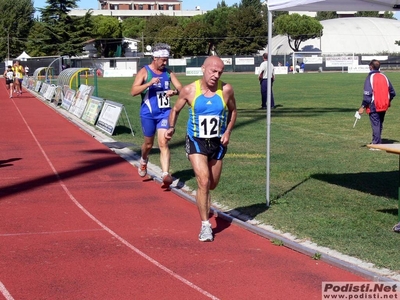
x=8, y=46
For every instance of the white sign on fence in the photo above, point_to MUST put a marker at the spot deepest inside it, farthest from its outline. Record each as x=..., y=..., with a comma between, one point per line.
x=244, y=61
x=92, y=110
x=309, y=60
x=177, y=62
x=69, y=96
x=194, y=72
x=109, y=116
x=119, y=73
x=358, y=69
x=341, y=61
x=81, y=99
x=50, y=91
x=227, y=61
x=277, y=70
x=377, y=57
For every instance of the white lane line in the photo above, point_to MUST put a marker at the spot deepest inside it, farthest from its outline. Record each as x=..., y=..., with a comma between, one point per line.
x=123, y=241
x=5, y=293
x=47, y=232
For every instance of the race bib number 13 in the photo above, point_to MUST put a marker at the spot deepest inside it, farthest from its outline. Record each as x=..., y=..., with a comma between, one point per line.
x=208, y=126
x=163, y=100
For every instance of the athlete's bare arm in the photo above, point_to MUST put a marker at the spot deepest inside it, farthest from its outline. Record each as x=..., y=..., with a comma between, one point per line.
x=139, y=84
x=229, y=97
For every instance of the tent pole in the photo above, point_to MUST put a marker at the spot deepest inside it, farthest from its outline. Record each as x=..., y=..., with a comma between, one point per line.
x=269, y=105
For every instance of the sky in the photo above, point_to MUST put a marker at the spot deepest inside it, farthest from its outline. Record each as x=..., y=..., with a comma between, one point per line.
x=186, y=4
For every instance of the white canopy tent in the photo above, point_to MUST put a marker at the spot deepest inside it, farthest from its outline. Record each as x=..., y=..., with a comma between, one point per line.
x=314, y=5
x=23, y=56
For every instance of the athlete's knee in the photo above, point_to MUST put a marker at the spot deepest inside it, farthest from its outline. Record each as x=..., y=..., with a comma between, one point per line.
x=213, y=184
x=148, y=145
x=203, y=182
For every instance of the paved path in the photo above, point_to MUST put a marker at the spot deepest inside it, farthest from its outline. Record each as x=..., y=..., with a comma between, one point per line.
x=77, y=222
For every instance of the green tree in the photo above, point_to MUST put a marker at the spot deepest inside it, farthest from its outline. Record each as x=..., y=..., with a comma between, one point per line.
x=16, y=20
x=373, y=14
x=217, y=20
x=247, y=33
x=256, y=4
x=222, y=4
x=388, y=15
x=155, y=24
x=298, y=29
x=62, y=32
x=326, y=15
x=133, y=27
x=169, y=36
x=195, y=35
x=36, y=39
x=108, y=34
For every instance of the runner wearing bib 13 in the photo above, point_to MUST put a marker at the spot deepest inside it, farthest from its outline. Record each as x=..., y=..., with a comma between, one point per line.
x=154, y=83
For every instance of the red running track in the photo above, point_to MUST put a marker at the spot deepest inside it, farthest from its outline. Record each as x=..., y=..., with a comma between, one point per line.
x=77, y=222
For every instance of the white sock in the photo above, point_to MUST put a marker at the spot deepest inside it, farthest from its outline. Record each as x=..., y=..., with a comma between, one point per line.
x=164, y=174
x=205, y=223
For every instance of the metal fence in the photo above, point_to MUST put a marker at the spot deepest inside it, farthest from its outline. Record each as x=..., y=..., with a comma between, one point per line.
x=392, y=63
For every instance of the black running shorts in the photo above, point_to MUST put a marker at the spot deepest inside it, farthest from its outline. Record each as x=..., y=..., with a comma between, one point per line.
x=212, y=148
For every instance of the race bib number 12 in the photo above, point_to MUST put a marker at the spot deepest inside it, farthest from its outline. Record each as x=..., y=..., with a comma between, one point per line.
x=208, y=126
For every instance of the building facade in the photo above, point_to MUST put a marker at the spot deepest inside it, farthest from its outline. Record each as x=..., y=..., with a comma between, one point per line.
x=140, y=5
x=123, y=9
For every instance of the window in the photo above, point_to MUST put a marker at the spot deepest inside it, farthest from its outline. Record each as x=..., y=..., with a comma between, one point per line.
x=170, y=7
x=114, y=6
x=113, y=63
x=160, y=7
x=140, y=6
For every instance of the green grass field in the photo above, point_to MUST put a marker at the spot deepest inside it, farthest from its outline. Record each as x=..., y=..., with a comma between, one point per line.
x=325, y=186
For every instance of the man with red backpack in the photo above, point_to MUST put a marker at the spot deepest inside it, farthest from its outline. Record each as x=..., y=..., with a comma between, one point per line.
x=378, y=93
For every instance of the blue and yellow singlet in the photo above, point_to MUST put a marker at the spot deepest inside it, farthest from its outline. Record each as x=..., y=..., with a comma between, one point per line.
x=207, y=115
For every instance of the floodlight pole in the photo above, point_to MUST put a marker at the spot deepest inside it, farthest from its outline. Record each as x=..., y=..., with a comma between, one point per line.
x=8, y=46
x=269, y=86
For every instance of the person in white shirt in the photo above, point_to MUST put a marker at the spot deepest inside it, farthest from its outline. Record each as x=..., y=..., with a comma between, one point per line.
x=263, y=78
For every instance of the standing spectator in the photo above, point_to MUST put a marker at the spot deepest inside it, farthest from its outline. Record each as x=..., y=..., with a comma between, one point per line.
x=263, y=78
x=302, y=67
x=153, y=83
x=9, y=76
x=288, y=66
x=19, y=74
x=212, y=115
x=378, y=94
x=26, y=70
x=297, y=67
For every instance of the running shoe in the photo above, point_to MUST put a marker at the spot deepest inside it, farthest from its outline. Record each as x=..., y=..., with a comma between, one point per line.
x=396, y=228
x=142, y=170
x=206, y=234
x=167, y=180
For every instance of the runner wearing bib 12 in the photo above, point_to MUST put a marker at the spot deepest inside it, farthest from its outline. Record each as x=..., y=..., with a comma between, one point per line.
x=206, y=124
